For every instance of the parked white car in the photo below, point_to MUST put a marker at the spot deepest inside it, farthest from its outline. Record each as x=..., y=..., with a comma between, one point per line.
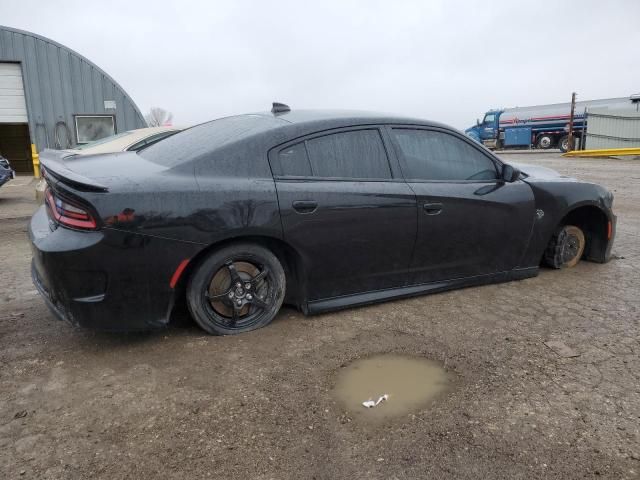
x=130, y=141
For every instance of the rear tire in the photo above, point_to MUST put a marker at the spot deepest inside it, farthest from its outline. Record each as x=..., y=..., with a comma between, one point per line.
x=565, y=248
x=563, y=144
x=544, y=142
x=236, y=289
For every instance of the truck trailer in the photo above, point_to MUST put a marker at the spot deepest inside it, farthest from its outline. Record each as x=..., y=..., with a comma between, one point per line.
x=541, y=126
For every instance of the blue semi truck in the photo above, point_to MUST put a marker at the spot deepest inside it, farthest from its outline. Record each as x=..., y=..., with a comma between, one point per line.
x=540, y=126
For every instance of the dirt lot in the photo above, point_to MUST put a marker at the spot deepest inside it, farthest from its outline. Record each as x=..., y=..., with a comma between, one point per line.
x=179, y=404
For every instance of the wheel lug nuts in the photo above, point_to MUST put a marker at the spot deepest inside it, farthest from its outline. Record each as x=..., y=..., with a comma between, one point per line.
x=247, y=286
x=239, y=302
x=230, y=294
x=238, y=285
x=249, y=296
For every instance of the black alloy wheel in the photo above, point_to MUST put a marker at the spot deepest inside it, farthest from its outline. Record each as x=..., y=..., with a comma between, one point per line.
x=236, y=289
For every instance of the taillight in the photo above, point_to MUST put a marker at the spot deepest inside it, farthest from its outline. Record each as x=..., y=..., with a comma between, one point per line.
x=69, y=214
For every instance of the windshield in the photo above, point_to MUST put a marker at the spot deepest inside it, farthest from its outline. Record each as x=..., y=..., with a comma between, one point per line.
x=102, y=140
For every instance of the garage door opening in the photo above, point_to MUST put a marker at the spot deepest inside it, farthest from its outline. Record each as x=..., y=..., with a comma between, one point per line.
x=15, y=146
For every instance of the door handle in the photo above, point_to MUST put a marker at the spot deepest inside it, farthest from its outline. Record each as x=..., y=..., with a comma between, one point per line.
x=305, y=206
x=432, y=208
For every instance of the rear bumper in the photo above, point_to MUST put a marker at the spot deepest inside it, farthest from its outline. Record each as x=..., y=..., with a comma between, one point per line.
x=56, y=309
x=105, y=280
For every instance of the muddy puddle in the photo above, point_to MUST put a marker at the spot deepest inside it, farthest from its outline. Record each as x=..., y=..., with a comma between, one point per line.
x=410, y=383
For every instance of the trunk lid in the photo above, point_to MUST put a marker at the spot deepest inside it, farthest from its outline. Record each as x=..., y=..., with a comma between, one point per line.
x=96, y=173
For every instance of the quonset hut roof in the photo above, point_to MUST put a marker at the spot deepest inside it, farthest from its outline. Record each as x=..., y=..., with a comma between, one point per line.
x=60, y=83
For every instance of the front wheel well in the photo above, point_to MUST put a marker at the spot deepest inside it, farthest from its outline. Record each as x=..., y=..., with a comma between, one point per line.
x=594, y=223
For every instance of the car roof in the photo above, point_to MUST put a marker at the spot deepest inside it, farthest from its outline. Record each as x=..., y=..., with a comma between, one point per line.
x=342, y=118
x=263, y=130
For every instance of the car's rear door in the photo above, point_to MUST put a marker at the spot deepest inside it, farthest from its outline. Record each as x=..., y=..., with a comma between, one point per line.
x=346, y=210
x=470, y=222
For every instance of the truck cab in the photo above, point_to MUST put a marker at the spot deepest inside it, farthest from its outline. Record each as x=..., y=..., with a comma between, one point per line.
x=487, y=130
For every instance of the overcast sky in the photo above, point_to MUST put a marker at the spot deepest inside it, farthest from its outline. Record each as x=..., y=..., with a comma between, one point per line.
x=443, y=60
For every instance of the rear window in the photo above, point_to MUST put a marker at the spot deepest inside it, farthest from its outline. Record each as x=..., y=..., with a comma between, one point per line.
x=203, y=139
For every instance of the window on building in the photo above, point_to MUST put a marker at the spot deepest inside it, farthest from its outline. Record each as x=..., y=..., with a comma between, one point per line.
x=94, y=127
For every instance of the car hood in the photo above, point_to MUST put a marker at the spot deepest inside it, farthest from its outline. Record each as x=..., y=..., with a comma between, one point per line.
x=542, y=173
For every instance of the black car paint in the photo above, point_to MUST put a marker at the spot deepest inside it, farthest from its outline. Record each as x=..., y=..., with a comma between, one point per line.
x=354, y=241
x=492, y=213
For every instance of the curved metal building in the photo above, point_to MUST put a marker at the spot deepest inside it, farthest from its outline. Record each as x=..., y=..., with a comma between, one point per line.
x=53, y=97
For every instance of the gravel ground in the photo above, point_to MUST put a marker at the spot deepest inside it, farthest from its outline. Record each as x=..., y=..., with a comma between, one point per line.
x=180, y=404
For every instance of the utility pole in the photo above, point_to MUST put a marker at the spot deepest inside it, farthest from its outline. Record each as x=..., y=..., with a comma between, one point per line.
x=573, y=107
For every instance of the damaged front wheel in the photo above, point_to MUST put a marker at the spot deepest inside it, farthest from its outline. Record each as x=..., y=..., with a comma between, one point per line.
x=565, y=248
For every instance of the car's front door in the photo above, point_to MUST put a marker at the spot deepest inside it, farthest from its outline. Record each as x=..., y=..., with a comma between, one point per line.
x=470, y=222
x=346, y=210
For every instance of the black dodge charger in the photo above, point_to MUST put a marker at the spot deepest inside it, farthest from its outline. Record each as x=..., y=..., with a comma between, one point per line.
x=318, y=209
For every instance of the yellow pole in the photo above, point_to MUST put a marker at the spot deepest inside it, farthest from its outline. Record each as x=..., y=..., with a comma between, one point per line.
x=36, y=161
x=605, y=152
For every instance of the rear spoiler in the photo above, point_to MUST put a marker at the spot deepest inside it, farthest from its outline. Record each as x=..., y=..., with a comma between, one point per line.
x=56, y=168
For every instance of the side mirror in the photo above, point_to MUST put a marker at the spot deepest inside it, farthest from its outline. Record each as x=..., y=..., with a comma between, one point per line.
x=510, y=173
x=478, y=122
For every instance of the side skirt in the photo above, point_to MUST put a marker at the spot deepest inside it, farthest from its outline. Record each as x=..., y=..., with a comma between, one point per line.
x=378, y=296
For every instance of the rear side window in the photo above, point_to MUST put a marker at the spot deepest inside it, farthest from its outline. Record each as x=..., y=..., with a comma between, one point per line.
x=356, y=154
x=293, y=161
x=359, y=154
x=431, y=155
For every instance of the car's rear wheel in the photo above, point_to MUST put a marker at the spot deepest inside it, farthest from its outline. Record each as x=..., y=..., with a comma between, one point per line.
x=565, y=248
x=236, y=289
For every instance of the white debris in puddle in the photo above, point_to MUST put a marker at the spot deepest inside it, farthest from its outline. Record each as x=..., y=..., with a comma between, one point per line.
x=370, y=403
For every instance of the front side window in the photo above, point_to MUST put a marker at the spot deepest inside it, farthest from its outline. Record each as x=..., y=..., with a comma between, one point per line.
x=489, y=119
x=432, y=155
x=355, y=154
